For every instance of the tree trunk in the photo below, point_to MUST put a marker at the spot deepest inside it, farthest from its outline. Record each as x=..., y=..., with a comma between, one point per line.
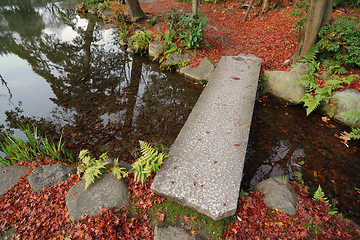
x=195, y=6
x=319, y=14
x=248, y=10
x=135, y=11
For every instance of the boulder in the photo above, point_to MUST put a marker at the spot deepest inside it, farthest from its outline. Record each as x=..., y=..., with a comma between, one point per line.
x=106, y=192
x=346, y=100
x=283, y=85
x=9, y=176
x=171, y=233
x=49, y=175
x=279, y=194
x=177, y=58
x=201, y=72
x=108, y=16
x=155, y=48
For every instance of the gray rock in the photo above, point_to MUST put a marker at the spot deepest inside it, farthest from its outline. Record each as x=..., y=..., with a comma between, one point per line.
x=9, y=176
x=201, y=72
x=177, y=58
x=155, y=48
x=108, y=16
x=283, y=85
x=206, y=160
x=346, y=100
x=279, y=194
x=49, y=175
x=106, y=192
x=171, y=233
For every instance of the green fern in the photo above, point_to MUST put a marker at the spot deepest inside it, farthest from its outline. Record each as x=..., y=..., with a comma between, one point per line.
x=354, y=134
x=308, y=81
x=91, y=167
x=353, y=114
x=310, y=56
x=149, y=162
x=311, y=102
x=320, y=195
x=118, y=172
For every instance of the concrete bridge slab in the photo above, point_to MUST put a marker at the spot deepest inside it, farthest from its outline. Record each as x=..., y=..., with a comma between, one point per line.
x=204, y=169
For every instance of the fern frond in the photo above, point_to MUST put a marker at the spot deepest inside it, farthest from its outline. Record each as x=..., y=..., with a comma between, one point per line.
x=94, y=172
x=310, y=56
x=351, y=115
x=319, y=195
x=349, y=79
x=334, y=83
x=149, y=161
x=354, y=134
x=308, y=81
x=311, y=102
x=119, y=172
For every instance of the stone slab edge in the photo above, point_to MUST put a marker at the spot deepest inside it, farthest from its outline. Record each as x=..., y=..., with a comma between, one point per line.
x=204, y=169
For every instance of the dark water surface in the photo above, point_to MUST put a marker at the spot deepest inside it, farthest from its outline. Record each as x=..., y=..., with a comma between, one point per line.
x=282, y=137
x=64, y=73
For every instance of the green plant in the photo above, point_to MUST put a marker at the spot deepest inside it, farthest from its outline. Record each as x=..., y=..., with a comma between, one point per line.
x=149, y=161
x=91, y=167
x=188, y=28
x=340, y=40
x=18, y=150
x=140, y=41
x=299, y=179
x=355, y=116
x=317, y=95
x=122, y=27
x=152, y=21
x=319, y=195
x=118, y=172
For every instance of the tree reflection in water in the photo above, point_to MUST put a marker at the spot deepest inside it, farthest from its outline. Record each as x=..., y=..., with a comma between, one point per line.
x=106, y=100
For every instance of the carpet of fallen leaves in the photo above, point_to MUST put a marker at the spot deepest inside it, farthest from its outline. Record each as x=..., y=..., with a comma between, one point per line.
x=44, y=215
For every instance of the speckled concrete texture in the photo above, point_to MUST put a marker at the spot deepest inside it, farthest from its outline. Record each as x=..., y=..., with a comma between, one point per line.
x=206, y=161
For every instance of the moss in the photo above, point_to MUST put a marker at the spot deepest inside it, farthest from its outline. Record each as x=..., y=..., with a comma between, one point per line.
x=175, y=214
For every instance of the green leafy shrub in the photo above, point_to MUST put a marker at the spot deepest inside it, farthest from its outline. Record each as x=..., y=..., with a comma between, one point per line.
x=188, y=28
x=140, y=41
x=340, y=40
x=36, y=147
x=346, y=3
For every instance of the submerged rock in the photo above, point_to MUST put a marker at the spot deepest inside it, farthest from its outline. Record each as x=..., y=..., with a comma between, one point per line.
x=106, y=192
x=279, y=194
x=283, y=85
x=49, y=175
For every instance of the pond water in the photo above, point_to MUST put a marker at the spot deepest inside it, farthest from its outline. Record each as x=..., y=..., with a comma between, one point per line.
x=65, y=73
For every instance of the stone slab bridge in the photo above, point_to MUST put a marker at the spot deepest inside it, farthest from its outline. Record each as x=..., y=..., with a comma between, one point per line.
x=205, y=164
